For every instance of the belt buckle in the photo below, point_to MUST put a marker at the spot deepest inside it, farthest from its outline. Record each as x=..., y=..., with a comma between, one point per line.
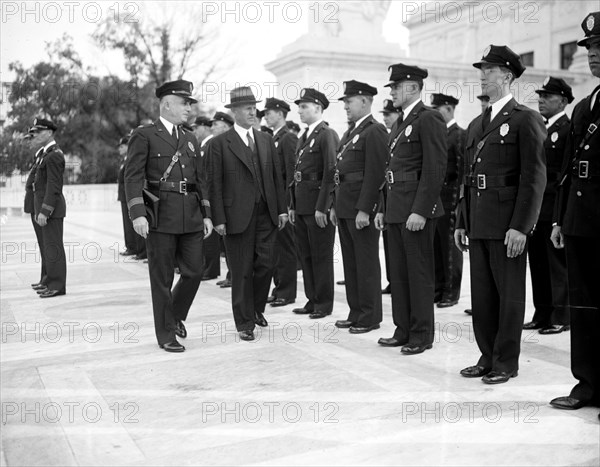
x=183, y=187
x=481, y=182
x=592, y=128
x=389, y=176
x=583, y=169
x=298, y=177
x=336, y=177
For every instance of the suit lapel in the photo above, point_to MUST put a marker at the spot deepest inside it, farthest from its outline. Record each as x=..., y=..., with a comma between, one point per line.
x=262, y=147
x=501, y=118
x=162, y=132
x=237, y=147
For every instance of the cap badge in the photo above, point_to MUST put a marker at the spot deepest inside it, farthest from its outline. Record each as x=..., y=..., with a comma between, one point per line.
x=355, y=139
x=303, y=93
x=590, y=23
x=487, y=50
x=191, y=146
x=554, y=136
x=546, y=81
x=504, y=129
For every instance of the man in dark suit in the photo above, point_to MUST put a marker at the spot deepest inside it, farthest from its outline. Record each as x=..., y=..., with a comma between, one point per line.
x=501, y=204
x=163, y=157
x=249, y=206
x=128, y=232
x=577, y=229
x=448, y=258
x=415, y=174
x=359, y=171
x=285, y=274
x=311, y=202
x=548, y=265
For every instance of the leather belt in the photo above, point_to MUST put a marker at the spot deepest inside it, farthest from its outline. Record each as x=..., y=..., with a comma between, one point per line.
x=300, y=177
x=349, y=177
x=398, y=176
x=483, y=182
x=581, y=169
x=182, y=187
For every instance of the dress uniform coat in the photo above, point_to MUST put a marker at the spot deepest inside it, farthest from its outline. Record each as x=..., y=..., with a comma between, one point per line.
x=48, y=199
x=578, y=213
x=416, y=170
x=212, y=246
x=131, y=242
x=448, y=258
x=28, y=208
x=180, y=226
x=311, y=191
x=285, y=275
x=548, y=265
x=359, y=173
x=247, y=196
x=503, y=191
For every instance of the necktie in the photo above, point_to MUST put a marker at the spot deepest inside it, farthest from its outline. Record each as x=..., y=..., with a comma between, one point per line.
x=304, y=136
x=251, y=144
x=174, y=133
x=400, y=118
x=487, y=117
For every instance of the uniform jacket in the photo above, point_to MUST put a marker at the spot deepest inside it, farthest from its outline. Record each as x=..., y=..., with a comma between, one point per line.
x=362, y=151
x=232, y=189
x=577, y=208
x=555, y=150
x=285, y=142
x=316, y=155
x=454, y=169
x=149, y=154
x=28, y=205
x=514, y=147
x=419, y=148
x=48, y=198
x=121, y=182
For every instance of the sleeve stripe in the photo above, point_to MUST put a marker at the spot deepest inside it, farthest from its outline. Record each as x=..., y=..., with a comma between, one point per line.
x=135, y=201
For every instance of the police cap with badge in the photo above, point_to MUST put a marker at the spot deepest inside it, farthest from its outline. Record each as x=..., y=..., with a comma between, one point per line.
x=181, y=88
x=41, y=124
x=591, y=28
x=313, y=96
x=501, y=55
x=223, y=117
x=276, y=104
x=202, y=121
x=556, y=86
x=356, y=88
x=437, y=100
x=401, y=72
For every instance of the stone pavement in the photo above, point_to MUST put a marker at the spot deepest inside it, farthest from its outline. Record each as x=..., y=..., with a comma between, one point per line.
x=83, y=381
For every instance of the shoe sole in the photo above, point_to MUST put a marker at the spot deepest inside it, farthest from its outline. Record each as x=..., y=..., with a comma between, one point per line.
x=351, y=331
x=417, y=352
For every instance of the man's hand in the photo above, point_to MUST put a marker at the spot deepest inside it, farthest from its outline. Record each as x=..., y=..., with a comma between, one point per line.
x=140, y=225
x=461, y=240
x=332, y=217
x=321, y=219
x=221, y=230
x=415, y=222
x=362, y=220
x=379, y=221
x=557, y=237
x=283, y=219
x=515, y=243
x=208, y=227
x=292, y=215
x=42, y=220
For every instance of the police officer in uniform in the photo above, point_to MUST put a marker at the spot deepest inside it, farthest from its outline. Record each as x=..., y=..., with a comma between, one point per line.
x=164, y=158
x=547, y=264
x=415, y=174
x=311, y=202
x=501, y=204
x=285, y=274
x=577, y=229
x=448, y=258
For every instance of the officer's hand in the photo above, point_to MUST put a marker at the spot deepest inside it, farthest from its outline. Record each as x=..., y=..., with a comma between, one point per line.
x=321, y=219
x=333, y=217
x=42, y=220
x=515, y=243
x=558, y=240
x=140, y=225
x=208, y=227
x=415, y=222
x=292, y=215
x=221, y=230
x=283, y=219
x=461, y=240
x=362, y=220
x=379, y=222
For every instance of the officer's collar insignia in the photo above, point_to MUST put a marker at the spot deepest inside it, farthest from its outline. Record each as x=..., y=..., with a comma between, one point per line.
x=408, y=130
x=554, y=137
x=590, y=23
x=504, y=129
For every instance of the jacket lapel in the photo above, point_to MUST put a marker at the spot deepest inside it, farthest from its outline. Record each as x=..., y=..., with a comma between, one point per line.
x=501, y=118
x=262, y=147
x=237, y=147
x=162, y=132
x=408, y=119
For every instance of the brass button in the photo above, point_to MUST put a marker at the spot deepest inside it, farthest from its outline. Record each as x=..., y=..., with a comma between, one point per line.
x=479, y=159
x=586, y=147
x=579, y=193
x=478, y=193
x=183, y=166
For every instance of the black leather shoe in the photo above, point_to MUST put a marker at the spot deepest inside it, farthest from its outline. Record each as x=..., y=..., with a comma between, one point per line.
x=140, y=257
x=180, y=330
x=474, y=371
x=226, y=283
x=342, y=282
x=387, y=290
x=220, y=283
x=37, y=284
x=247, y=335
x=437, y=298
x=302, y=311
x=445, y=303
x=362, y=329
x=344, y=324
x=534, y=325
x=271, y=298
x=172, y=347
x=469, y=311
x=39, y=287
x=390, y=342
x=51, y=293
x=282, y=302
x=128, y=253
x=41, y=291
x=208, y=278
x=568, y=403
x=318, y=314
x=498, y=377
x=410, y=349
x=260, y=320
x=554, y=329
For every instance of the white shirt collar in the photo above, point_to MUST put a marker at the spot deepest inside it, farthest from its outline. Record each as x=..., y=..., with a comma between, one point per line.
x=312, y=127
x=408, y=109
x=168, y=125
x=497, y=106
x=243, y=132
x=450, y=123
x=50, y=143
x=553, y=119
x=205, y=140
x=358, y=122
x=275, y=131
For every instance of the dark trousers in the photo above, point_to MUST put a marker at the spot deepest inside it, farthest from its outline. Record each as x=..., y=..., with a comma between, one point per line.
x=386, y=252
x=316, y=254
x=251, y=261
x=412, y=270
x=169, y=305
x=54, y=255
x=40, y=239
x=131, y=242
x=583, y=258
x=448, y=259
x=285, y=275
x=224, y=251
x=549, y=281
x=140, y=246
x=212, y=256
x=498, y=303
x=362, y=272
